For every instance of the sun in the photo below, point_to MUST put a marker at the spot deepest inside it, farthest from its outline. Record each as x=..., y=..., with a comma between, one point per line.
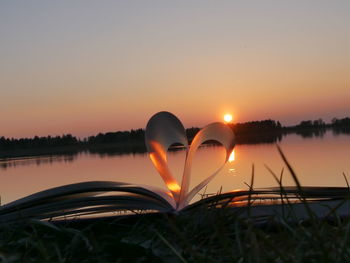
x=228, y=118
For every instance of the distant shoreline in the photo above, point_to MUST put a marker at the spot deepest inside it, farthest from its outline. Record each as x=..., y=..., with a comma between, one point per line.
x=132, y=142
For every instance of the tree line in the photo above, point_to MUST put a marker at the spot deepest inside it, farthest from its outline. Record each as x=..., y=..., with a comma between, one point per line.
x=37, y=142
x=242, y=130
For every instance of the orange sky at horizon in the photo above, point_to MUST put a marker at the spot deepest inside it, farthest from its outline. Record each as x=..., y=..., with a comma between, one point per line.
x=88, y=67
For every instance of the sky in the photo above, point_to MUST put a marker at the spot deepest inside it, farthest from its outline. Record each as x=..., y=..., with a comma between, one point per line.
x=84, y=67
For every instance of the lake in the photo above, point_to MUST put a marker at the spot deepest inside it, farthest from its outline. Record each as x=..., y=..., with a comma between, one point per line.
x=318, y=161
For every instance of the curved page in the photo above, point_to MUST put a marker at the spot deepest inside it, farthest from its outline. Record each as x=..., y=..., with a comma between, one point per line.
x=163, y=130
x=217, y=132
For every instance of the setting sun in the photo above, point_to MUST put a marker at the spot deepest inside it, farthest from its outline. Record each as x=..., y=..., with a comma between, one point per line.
x=228, y=118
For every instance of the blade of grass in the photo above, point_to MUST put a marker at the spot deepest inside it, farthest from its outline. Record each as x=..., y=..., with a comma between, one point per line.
x=283, y=192
x=250, y=192
x=296, y=180
x=172, y=248
x=346, y=180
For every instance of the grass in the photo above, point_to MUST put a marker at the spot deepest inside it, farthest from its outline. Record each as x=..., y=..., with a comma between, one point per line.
x=199, y=235
x=206, y=236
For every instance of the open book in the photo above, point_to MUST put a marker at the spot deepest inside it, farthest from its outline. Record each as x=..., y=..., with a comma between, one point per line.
x=163, y=130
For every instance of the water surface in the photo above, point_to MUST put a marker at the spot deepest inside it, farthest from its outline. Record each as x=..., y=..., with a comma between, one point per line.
x=318, y=161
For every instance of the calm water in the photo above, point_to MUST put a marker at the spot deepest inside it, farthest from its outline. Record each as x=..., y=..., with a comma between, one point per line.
x=317, y=161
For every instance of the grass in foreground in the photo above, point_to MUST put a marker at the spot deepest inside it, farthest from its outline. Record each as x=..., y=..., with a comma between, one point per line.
x=202, y=236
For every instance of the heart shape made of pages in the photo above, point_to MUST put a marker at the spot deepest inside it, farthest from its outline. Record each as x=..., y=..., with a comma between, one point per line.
x=165, y=129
